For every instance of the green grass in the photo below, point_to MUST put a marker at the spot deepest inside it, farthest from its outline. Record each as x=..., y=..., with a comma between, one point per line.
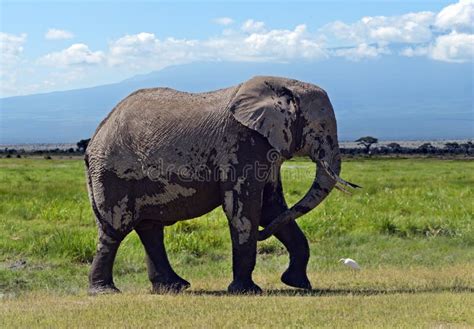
x=410, y=228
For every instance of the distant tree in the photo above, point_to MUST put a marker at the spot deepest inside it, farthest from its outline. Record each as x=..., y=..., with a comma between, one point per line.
x=452, y=146
x=467, y=147
x=367, y=142
x=426, y=148
x=394, y=147
x=82, y=145
x=70, y=150
x=384, y=150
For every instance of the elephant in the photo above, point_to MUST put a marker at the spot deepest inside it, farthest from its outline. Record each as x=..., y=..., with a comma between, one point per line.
x=164, y=155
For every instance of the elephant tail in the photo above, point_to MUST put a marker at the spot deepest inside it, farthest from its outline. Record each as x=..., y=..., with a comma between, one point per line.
x=101, y=222
x=91, y=192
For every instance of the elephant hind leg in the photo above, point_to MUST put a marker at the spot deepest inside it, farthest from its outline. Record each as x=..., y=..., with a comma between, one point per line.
x=162, y=276
x=289, y=235
x=243, y=208
x=100, y=276
x=296, y=243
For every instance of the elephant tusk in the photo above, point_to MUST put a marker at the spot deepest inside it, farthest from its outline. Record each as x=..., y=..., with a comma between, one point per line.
x=342, y=189
x=334, y=176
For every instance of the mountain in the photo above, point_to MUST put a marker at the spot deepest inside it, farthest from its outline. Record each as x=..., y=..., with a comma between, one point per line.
x=389, y=98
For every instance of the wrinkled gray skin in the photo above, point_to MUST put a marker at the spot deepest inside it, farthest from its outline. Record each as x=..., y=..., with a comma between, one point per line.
x=163, y=156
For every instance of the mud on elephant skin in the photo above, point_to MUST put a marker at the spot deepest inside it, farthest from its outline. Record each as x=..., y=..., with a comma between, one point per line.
x=163, y=156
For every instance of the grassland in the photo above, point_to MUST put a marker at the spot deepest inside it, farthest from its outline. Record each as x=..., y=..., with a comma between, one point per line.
x=410, y=228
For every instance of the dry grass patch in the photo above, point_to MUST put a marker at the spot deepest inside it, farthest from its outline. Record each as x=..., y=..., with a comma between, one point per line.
x=217, y=311
x=383, y=297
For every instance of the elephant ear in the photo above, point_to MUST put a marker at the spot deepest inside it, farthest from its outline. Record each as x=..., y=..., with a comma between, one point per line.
x=267, y=106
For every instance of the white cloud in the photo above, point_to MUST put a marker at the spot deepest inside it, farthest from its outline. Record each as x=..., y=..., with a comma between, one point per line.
x=415, y=51
x=223, y=21
x=272, y=45
x=11, y=46
x=444, y=36
x=145, y=50
x=284, y=44
x=362, y=51
x=76, y=54
x=11, y=62
x=458, y=16
x=454, y=47
x=408, y=28
x=55, y=34
x=251, y=26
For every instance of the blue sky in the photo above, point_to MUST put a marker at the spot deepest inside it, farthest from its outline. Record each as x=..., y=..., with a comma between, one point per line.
x=58, y=45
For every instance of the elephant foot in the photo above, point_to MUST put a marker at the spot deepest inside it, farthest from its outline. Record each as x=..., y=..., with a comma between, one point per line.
x=244, y=287
x=170, y=286
x=296, y=279
x=107, y=289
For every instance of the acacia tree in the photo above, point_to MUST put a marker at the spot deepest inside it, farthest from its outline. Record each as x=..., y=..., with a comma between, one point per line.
x=367, y=142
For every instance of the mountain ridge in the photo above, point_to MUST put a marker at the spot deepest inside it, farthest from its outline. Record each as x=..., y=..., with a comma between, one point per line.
x=417, y=99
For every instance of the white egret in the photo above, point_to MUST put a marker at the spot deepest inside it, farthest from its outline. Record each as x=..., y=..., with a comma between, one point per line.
x=351, y=263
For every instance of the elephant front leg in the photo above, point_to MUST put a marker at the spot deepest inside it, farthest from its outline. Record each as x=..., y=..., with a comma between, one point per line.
x=162, y=276
x=243, y=208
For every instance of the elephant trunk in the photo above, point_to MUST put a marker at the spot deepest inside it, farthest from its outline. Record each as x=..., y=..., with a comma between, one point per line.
x=328, y=167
